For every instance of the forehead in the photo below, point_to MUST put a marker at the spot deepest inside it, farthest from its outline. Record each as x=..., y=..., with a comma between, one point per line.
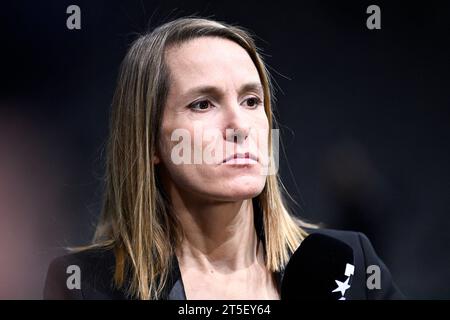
x=209, y=61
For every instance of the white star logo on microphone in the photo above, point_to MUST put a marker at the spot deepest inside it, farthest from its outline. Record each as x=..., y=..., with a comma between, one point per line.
x=344, y=286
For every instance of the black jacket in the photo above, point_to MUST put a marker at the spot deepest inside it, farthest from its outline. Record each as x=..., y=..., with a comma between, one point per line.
x=97, y=269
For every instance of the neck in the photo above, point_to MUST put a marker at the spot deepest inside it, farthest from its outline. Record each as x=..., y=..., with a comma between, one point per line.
x=219, y=236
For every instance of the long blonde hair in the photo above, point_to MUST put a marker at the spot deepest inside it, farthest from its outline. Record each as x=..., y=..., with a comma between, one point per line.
x=136, y=220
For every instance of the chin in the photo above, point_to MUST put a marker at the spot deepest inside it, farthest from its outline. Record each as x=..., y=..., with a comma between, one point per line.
x=243, y=189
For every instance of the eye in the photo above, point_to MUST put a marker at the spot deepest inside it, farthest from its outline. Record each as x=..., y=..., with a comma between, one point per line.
x=253, y=102
x=200, y=105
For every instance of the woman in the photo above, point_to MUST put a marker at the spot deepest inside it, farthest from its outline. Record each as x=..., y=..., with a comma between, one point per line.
x=212, y=228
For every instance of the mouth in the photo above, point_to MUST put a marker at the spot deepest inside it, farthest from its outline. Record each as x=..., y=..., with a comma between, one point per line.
x=241, y=158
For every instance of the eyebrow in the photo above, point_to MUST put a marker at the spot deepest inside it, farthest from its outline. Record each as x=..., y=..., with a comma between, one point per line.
x=212, y=90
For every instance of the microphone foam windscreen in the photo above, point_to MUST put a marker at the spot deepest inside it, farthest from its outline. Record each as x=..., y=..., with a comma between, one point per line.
x=320, y=269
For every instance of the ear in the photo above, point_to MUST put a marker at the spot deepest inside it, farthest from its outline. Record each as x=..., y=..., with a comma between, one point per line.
x=156, y=159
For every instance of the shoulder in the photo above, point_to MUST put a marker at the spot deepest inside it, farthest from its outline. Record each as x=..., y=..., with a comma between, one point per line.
x=363, y=250
x=356, y=240
x=344, y=235
x=87, y=274
x=367, y=262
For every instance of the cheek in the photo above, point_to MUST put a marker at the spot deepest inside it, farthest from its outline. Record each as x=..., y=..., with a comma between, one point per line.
x=262, y=121
x=260, y=126
x=164, y=144
x=181, y=149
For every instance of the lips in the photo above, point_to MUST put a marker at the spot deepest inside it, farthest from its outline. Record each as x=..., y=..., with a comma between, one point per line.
x=246, y=155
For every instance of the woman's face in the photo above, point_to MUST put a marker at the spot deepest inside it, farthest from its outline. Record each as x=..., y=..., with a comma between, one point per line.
x=213, y=86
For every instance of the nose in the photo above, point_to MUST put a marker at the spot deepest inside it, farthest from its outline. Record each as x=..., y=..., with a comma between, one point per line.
x=237, y=125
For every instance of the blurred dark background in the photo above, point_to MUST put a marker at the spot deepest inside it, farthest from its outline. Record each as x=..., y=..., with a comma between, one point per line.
x=365, y=120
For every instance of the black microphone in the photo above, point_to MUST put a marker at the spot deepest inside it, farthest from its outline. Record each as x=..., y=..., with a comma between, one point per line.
x=320, y=269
